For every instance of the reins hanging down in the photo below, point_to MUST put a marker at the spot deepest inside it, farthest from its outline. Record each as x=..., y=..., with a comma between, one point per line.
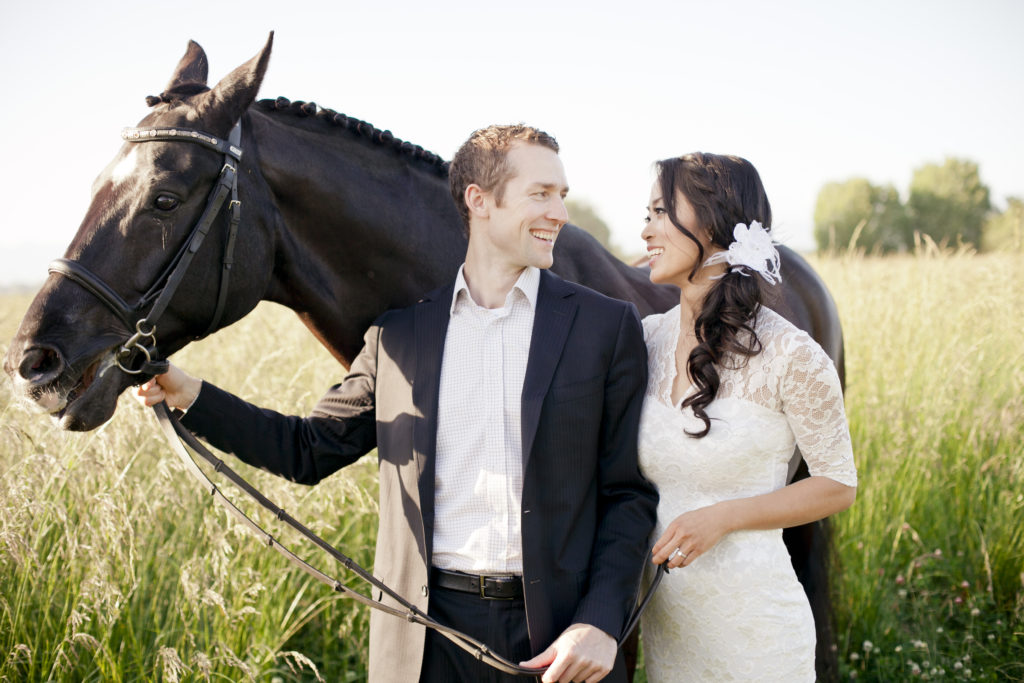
x=182, y=441
x=139, y=355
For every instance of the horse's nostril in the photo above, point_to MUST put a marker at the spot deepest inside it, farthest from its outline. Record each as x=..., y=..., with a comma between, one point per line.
x=40, y=364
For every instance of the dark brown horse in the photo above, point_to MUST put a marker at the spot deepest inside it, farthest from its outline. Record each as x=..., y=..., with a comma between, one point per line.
x=340, y=221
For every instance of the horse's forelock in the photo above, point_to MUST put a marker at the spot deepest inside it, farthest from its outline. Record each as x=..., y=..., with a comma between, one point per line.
x=177, y=93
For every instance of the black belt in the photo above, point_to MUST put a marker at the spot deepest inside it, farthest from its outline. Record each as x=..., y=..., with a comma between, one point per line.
x=487, y=587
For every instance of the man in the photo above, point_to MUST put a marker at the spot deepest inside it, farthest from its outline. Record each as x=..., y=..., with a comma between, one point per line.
x=504, y=410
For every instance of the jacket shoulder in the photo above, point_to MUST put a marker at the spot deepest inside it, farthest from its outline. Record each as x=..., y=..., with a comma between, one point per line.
x=398, y=316
x=584, y=295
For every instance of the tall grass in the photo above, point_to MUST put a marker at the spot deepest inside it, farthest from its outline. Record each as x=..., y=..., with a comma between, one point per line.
x=115, y=566
x=932, y=552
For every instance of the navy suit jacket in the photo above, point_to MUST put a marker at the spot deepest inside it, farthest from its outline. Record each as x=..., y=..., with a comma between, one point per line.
x=587, y=512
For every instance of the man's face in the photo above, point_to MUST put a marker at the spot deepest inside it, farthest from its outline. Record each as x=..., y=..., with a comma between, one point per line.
x=523, y=228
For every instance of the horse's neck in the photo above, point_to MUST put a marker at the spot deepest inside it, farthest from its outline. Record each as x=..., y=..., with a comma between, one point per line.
x=363, y=228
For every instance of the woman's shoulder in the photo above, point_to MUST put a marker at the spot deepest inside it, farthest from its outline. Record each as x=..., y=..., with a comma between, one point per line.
x=785, y=346
x=772, y=327
x=657, y=322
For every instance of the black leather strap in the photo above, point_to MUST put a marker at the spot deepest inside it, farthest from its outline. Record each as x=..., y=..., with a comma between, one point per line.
x=487, y=587
x=228, y=147
x=92, y=283
x=228, y=260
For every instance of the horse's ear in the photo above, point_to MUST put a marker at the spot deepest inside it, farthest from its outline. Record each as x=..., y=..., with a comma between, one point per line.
x=191, y=70
x=229, y=99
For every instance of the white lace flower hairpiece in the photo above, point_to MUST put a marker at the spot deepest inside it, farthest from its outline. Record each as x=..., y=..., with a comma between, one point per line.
x=751, y=249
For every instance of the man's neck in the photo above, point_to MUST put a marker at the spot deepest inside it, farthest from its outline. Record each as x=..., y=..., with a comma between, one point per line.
x=490, y=282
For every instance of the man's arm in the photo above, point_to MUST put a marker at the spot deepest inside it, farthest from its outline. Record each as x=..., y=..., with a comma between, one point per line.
x=341, y=428
x=628, y=502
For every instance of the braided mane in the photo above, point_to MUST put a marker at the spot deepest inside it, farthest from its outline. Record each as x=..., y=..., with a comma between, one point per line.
x=384, y=138
x=306, y=109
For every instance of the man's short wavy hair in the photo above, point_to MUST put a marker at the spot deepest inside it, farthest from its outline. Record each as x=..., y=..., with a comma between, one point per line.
x=483, y=160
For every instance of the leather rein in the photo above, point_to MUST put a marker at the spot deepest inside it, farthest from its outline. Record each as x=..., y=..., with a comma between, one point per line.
x=138, y=354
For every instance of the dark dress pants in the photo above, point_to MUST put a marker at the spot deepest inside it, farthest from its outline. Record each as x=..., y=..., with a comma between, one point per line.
x=500, y=624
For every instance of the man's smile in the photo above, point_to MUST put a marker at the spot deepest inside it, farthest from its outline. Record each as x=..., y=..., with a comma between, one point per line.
x=545, y=235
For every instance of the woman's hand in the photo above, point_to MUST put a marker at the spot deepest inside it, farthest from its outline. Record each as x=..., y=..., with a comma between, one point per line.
x=175, y=386
x=696, y=532
x=693, y=533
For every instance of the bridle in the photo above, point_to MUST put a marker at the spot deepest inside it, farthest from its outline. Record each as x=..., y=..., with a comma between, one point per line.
x=159, y=295
x=135, y=357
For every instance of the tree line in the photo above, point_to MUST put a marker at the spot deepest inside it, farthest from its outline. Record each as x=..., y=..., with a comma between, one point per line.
x=947, y=202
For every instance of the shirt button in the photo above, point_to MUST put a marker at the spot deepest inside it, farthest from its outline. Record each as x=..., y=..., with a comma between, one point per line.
x=423, y=591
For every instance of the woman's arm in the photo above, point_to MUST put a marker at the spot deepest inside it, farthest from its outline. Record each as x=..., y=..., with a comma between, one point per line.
x=697, y=531
x=812, y=400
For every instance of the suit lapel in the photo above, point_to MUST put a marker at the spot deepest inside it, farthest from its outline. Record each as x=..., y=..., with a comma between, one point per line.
x=556, y=310
x=431, y=327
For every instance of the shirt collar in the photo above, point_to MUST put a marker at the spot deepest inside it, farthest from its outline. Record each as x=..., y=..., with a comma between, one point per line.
x=528, y=285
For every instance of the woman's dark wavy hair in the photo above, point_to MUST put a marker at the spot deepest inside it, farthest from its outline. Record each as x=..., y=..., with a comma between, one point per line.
x=723, y=191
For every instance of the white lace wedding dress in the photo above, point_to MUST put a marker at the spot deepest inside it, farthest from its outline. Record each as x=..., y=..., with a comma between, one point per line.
x=737, y=612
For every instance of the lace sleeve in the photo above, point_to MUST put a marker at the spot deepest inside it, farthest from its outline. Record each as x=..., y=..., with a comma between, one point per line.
x=812, y=400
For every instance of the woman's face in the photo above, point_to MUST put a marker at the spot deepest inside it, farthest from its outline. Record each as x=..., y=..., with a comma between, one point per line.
x=671, y=254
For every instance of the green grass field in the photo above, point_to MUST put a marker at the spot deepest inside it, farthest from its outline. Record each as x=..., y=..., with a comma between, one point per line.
x=115, y=566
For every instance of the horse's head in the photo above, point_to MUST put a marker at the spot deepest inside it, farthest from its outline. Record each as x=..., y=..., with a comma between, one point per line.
x=72, y=356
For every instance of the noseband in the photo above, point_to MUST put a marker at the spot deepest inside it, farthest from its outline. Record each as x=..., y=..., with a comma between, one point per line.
x=142, y=342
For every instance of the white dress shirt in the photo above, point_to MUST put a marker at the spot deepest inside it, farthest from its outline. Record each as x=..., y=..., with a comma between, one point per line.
x=478, y=479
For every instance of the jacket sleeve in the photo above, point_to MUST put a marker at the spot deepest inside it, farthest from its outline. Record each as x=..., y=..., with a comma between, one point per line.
x=340, y=429
x=627, y=501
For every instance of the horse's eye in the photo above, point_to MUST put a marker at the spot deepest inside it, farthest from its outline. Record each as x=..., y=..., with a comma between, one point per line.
x=166, y=202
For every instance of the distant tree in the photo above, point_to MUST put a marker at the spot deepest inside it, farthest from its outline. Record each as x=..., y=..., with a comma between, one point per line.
x=949, y=202
x=583, y=215
x=855, y=207
x=1005, y=231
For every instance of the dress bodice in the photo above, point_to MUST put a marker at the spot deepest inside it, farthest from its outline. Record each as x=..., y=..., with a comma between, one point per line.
x=788, y=394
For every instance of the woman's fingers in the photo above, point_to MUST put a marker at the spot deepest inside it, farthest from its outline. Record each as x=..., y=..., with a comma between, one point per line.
x=671, y=548
x=687, y=537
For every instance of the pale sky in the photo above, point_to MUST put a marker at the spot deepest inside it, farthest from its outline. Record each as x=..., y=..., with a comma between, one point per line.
x=810, y=92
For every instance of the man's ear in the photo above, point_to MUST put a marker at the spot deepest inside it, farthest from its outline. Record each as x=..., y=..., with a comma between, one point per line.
x=477, y=201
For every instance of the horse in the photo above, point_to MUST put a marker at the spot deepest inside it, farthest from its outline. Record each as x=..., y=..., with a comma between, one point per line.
x=340, y=221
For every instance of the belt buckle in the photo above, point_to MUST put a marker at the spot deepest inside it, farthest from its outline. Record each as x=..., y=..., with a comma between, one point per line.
x=482, y=581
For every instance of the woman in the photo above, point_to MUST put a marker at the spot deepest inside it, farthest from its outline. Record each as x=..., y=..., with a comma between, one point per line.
x=733, y=388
